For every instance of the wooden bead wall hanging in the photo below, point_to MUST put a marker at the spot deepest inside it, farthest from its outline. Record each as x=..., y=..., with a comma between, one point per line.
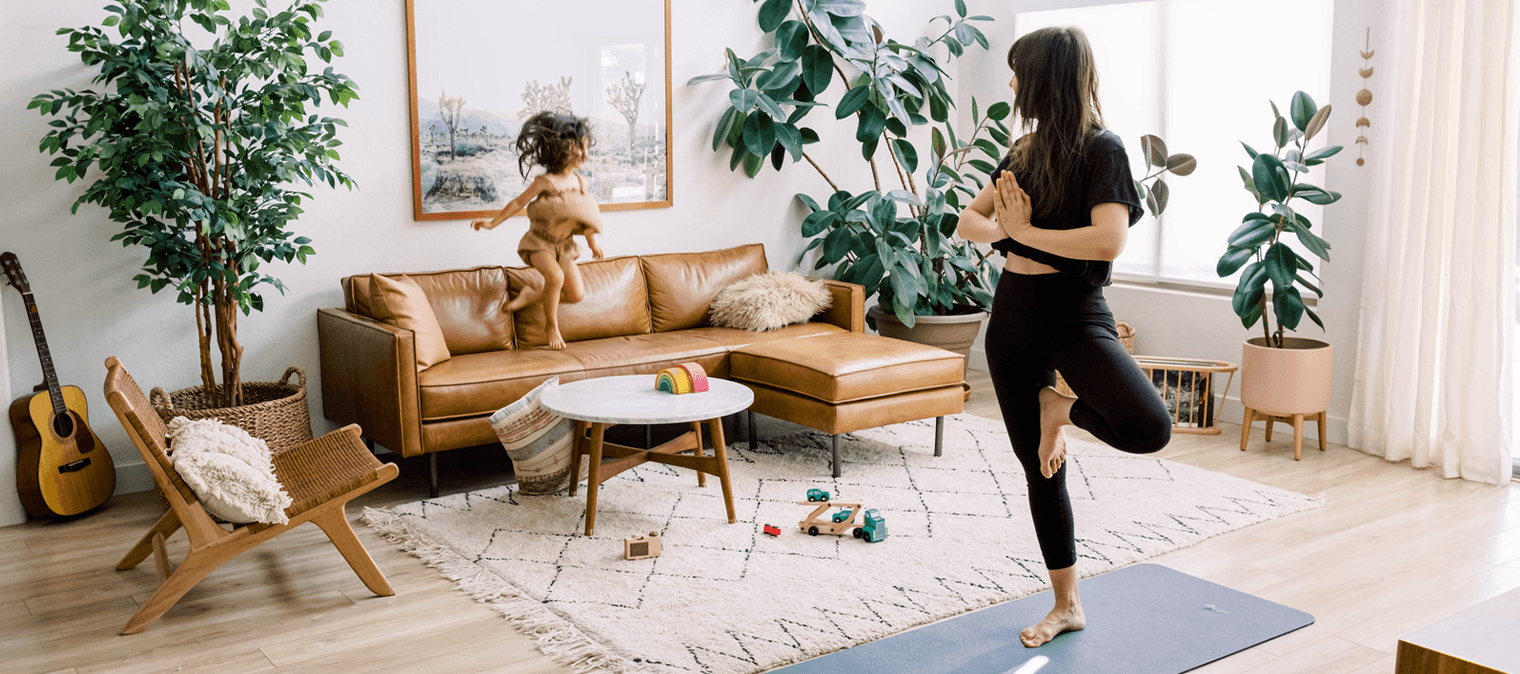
x=1364, y=97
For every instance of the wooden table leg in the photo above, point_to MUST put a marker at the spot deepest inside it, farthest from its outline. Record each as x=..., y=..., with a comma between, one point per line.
x=598, y=430
x=696, y=428
x=720, y=449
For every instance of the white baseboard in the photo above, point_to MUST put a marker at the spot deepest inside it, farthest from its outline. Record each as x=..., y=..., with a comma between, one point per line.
x=133, y=477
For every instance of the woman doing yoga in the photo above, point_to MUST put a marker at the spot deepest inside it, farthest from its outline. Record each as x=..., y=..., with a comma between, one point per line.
x=1059, y=208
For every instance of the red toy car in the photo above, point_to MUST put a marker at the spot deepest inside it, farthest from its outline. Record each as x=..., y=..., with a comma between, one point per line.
x=771, y=530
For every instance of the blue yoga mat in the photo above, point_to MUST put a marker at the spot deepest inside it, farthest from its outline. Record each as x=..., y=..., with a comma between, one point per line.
x=1141, y=619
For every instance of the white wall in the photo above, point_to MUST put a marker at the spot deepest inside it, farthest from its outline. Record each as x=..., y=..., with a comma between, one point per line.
x=1185, y=324
x=92, y=309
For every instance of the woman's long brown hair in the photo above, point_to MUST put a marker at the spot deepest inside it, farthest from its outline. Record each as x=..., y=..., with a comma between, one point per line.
x=1058, y=101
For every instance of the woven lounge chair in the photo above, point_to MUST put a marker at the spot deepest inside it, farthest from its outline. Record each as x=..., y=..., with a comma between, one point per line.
x=321, y=476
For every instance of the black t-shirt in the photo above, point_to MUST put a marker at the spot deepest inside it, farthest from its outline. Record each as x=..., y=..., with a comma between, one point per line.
x=1102, y=177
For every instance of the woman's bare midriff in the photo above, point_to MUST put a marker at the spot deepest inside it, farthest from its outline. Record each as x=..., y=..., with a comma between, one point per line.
x=1019, y=264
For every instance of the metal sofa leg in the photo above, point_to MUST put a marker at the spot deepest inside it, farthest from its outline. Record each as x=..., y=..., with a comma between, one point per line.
x=939, y=436
x=836, y=455
x=433, y=475
x=751, y=424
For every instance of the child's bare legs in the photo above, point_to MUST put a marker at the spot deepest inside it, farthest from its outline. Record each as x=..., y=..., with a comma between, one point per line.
x=548, y=294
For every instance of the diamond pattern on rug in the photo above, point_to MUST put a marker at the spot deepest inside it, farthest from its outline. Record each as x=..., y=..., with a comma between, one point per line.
x=724, y=598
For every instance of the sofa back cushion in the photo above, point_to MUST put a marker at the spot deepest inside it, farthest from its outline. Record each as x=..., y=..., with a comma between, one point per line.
x=616, y=303
x=467, y=302
x=682, y=285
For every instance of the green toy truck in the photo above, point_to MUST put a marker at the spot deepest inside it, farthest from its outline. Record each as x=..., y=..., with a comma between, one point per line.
x=874, y=529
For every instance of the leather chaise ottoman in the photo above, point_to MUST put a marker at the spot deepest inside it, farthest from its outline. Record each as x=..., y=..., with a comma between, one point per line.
x=848, y=381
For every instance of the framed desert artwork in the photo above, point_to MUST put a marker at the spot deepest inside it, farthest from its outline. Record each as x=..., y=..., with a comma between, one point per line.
x=480, y=69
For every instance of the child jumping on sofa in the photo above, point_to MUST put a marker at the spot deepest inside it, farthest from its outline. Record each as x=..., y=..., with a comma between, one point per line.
x=559, y=208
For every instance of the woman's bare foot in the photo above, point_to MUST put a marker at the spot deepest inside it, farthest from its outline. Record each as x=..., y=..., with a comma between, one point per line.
x=1055, y=414
x=1061, y=619
x=555, y=340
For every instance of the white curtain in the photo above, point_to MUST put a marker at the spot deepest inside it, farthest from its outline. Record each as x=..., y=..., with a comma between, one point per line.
x=1434, y=375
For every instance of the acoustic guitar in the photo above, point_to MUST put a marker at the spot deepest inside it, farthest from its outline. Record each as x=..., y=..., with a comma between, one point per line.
x=63, y=469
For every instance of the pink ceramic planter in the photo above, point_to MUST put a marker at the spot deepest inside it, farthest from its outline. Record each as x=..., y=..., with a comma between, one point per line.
x=1294, y=380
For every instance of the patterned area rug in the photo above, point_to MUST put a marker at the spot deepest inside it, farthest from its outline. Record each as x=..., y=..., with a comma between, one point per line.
x=725, y=598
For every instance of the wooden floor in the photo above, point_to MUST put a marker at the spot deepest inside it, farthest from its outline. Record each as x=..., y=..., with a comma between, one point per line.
x=1393, y=550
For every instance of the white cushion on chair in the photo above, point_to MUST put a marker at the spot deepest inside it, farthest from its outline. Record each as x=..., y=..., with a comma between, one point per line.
x=230, y=471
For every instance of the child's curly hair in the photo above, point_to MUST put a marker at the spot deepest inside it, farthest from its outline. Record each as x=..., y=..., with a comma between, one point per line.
x=550, y=139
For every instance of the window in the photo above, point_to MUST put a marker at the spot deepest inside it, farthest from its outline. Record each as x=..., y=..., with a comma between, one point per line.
x=1199, y=74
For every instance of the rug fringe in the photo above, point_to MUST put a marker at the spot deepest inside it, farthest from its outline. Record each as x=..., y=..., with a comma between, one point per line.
x=556, y=637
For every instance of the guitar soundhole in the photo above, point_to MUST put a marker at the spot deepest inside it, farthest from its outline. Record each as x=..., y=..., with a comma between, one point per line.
x=63, y=425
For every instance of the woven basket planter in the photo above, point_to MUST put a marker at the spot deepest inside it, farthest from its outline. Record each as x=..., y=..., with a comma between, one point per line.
x=275, y=412
x=1126, y=337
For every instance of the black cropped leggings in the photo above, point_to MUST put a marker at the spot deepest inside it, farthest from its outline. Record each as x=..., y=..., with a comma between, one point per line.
x=1048, y=322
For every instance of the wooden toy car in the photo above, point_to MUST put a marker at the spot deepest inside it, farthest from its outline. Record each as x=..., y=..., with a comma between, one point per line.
x=817, y=495
x=816, y=523
x=642, y=547
x=774, y=531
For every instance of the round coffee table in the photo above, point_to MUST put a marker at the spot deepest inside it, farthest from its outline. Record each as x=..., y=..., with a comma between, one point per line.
x=596, y=404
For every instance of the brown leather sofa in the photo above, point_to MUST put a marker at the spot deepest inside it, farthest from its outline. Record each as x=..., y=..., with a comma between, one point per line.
x=640, y=314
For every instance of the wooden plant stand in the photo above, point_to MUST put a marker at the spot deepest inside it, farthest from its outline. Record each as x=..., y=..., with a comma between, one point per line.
x=1297, y=421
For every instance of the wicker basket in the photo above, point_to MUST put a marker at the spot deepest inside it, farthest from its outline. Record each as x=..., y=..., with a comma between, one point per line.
x=275, y=412
x=1126, y=337
x=1187, y=387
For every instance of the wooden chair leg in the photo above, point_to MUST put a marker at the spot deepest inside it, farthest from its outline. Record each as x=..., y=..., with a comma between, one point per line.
x=1245, y=428
x=1269, y=419
x=195, y=568
x=1321, y=431
x=335, y=524
x=166, y=526
x=1298, y=437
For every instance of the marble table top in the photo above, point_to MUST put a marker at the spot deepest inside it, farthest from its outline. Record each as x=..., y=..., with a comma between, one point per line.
x=632, y=399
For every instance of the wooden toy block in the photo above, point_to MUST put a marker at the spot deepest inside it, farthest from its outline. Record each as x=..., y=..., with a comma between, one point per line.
x=642, y=547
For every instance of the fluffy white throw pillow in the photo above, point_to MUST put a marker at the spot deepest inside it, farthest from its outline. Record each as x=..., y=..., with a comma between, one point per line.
x=230, y=471
x=769, y=301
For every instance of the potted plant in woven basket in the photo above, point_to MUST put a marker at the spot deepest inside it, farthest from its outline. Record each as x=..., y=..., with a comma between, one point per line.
x=195, y=153
x=1281, y=375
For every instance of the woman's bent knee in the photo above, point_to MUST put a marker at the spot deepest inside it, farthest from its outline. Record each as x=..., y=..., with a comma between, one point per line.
x=1149, y=436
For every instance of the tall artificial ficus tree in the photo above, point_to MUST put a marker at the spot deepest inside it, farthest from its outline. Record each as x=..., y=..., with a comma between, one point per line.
x=197, y=151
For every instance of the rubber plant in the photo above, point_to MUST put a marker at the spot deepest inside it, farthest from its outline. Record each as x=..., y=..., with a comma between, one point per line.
x=912, y=260
x=1257, y=248
x=199, y=153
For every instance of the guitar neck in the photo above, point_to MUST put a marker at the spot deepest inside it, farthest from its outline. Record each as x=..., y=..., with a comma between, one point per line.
x=49, y=375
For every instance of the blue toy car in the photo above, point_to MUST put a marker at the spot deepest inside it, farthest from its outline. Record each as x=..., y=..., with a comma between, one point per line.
x=842, y=515
x=817, y=495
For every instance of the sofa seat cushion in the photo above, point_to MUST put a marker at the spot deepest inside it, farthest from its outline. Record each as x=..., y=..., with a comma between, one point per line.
x=481, y=383
x=847, y=366
x=737, y=339
x=646, y=354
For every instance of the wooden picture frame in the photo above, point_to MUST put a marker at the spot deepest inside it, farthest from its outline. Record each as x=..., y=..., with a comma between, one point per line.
x=495, y=54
